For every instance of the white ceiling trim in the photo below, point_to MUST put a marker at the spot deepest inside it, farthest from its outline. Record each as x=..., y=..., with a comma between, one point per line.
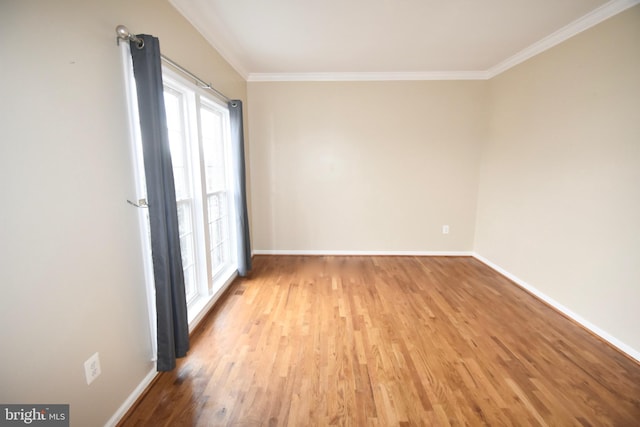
x=347, y=77
x=589, y=20
x=226, y=54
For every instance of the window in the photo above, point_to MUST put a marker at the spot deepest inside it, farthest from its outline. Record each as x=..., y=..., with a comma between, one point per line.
x=215, y=153
x=198, y=127
x=175, y=104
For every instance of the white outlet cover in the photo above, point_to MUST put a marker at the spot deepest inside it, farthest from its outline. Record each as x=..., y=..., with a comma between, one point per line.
x=92, y=368
x=445, y=229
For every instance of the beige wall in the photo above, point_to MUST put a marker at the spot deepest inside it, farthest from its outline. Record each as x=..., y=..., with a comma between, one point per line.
x=365, y=166
x=559, y=198
x=70, y=264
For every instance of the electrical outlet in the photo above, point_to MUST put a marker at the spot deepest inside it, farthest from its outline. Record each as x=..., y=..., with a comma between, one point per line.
x=92, y=368
x=445, y=229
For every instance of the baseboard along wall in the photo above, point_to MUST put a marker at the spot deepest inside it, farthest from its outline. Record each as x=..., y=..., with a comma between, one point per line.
x=621, y=346
x=133, y=398
x=359, y=253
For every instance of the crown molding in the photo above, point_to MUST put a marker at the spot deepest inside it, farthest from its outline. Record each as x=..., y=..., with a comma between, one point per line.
x=226, y=53
x=367, y=76
x=589, y=20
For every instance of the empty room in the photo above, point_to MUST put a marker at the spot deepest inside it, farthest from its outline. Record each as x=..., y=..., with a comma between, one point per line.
x=289, y=213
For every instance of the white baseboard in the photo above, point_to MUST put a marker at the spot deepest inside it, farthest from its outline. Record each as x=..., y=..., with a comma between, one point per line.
x=628, y=350
x=359, y=253
x=133, y=397
x=140, y=389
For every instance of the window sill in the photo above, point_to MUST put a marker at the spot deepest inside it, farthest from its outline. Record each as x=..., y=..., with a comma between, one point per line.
x=199, y=308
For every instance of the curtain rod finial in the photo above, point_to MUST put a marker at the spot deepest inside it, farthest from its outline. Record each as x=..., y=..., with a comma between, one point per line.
x=122, y=32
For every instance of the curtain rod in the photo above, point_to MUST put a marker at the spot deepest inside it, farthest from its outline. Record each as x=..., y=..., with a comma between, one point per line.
x=124, y=34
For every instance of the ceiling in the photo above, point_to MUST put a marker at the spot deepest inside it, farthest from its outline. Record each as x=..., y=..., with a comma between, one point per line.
x=414, y=39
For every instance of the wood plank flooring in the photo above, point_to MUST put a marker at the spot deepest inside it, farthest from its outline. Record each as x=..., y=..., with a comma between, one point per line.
x=389, y=341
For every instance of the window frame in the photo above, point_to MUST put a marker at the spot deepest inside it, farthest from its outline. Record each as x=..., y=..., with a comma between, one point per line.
x=210, y=282
x=217, y=107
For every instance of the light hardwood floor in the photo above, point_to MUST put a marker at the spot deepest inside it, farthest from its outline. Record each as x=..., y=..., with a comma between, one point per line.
x=388, y=341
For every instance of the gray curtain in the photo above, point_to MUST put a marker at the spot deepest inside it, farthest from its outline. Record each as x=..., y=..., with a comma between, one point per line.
x=171, y=305
x=240, y=190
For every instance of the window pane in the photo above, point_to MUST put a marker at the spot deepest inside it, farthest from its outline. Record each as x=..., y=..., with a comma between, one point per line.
x=175, y=126
x=218, y=234
x=217, y=258
x=172, y=108
x=213, y=149
x=215, y=208
x=177, y=142
x=187, y=250
x=190, y=288
x=223, y=204
x=184, y=218
x=181, y=182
